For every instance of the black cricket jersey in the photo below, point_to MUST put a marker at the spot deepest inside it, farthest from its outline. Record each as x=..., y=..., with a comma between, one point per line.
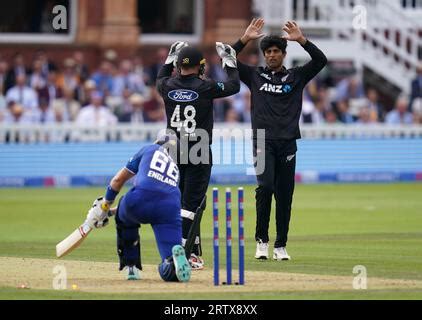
x=276, y=98
x=189, y=100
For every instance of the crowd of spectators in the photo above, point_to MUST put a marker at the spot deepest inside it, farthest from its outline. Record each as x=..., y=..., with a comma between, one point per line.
x=349, y=102
x=123, y=91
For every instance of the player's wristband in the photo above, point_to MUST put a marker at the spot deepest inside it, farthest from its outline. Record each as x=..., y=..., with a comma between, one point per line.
x=111, y=194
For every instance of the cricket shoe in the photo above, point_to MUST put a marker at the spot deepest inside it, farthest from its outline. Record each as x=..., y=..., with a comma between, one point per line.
x=280, y=254
x=261, y=250
x=196, y=262
x=181, y=264
x=133, y=273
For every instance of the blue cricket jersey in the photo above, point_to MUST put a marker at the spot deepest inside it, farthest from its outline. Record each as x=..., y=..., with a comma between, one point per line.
x=155, y=170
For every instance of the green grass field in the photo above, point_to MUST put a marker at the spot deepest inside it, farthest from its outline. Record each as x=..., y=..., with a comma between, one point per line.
x=333, y=229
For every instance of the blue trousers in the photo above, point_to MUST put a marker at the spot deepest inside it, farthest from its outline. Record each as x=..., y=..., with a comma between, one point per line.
x=160, y=210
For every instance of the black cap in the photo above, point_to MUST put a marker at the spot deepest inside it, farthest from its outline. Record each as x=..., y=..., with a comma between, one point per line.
x=190, y=57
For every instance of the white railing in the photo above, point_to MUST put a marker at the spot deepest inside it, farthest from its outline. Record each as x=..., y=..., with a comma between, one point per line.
x=72, y=133
x=316, y=13
x=391, y=28
x=148, y=132
x=390, y=42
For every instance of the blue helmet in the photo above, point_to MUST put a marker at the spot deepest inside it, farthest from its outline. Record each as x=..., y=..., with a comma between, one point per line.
x=167, y=139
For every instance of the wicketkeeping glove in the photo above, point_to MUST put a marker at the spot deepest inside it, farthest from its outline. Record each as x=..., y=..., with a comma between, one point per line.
x=227, y=54
x=174, y=52
x=98, y=215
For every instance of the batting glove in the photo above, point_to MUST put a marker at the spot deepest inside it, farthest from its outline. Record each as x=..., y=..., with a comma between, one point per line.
x=227, y=55
x=98, y=214
x=174, y=52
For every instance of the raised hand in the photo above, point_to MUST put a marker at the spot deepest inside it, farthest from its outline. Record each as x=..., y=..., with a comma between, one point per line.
x=227, y=54
x=293, y=32
x=254, y=30
x=174, y=52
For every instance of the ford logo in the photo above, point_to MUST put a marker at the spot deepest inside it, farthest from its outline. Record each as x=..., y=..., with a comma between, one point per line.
x=183, y=95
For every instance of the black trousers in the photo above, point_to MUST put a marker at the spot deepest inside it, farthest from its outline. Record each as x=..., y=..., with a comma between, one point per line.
x=194, y=181
x=278, y=179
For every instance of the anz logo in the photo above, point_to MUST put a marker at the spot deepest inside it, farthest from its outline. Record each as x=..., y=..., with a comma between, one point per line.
x=183, y=95
x=276, y=88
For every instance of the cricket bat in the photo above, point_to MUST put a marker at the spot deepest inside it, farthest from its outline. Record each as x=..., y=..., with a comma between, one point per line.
x=76, y=238
x=73, y=240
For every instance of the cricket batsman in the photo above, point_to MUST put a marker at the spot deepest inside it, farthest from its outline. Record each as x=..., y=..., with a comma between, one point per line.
x=155, y=200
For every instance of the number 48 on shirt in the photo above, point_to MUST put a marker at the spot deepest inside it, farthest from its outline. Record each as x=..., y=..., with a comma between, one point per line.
x=189, y=124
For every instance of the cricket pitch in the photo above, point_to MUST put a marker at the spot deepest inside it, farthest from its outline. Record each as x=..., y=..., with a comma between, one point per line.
x=103, y=277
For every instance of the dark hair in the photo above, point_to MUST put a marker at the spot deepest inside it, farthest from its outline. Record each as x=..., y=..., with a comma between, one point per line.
x=273, y=40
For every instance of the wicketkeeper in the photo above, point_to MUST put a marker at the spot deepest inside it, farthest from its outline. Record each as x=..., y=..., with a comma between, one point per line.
x=188, y=99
